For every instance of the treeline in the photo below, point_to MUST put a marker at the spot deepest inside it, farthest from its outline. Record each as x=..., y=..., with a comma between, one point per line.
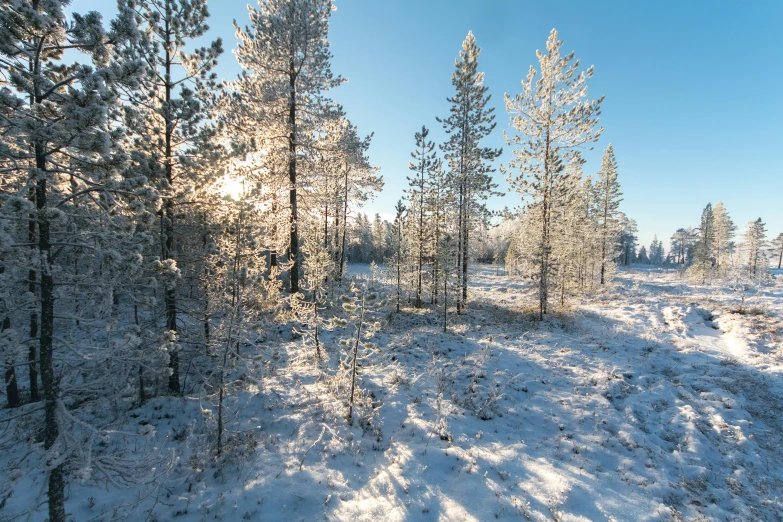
x=710, y=251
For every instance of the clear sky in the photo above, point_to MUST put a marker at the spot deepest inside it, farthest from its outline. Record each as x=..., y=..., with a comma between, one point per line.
x=694, y=89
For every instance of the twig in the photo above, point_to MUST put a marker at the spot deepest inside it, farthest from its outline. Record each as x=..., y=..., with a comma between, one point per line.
x=301, y=463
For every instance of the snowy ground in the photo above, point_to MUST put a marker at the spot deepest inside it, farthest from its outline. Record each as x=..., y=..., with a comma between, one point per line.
x=656, y=402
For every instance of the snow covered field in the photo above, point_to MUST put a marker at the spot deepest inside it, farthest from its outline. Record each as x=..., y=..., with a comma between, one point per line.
x=655, y=402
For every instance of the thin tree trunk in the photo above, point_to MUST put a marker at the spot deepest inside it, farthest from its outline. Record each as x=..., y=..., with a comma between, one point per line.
x=465, y=247
x=421, y=238
x=294, y=221
x=544, y=273
x=459, y=242
x=168, y=223
x=399, y=248
x=355, y=356
x=445, y=300
x=345, y=228
x=32, y=287
x=11, y=385
x=273, y=246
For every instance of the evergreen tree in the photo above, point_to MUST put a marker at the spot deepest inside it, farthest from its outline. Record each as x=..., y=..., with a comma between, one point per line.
x=608, y=196
x=723, y=230
x=553, y=117
x=704, y=252
x=57, y=142
x=425, y=165
x=778, y=242
x=470, y=121
x=398, y=222
x=656, y=251
x=755, y=242
x=167, y=112
x=683, y=242
x=627, y=239
x=286, y=60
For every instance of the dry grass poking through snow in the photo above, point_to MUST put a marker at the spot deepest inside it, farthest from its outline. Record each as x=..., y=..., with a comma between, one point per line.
x=653, y=402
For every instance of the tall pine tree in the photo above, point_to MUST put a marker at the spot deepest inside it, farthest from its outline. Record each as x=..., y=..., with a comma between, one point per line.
x=470, y=121
x=553, y=117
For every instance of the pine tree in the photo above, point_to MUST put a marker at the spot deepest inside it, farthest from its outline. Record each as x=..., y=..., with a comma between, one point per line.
x=438, y=200
x=778, y=242
x=171, y=138
x=286, y=60
x=398, y=246
x=723, y=230
x=58, y=140
x=553, y=117
x=656, y=251
x=643, y=257
x=755, y=242
x=683, y=242
x=627, y=239
x=424, y=167
x=470, y=121
x=704, y=252
x=608, y=196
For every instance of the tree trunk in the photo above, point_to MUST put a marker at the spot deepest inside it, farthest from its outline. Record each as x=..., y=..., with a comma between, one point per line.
x=168, y=207
x=543, y=288
x=345, y=227
x=56, y=486
x=445, y=300
x=355, y=356
x=11, y=386
x=459, y=242
x=32, y=287
x=465, y=246
x=399, y=248
x=273, y=246
x=294, y=220
x=421, y=238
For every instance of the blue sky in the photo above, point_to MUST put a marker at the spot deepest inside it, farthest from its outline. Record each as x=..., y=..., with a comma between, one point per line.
x=694, y=90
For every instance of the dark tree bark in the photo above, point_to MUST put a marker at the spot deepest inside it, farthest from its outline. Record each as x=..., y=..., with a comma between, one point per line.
x=345, y=227
x=168, y=206
x=294, y=220
x=11, y=386
x=56, y=486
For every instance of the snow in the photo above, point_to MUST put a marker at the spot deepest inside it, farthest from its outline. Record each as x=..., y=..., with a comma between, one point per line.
x=656, y=400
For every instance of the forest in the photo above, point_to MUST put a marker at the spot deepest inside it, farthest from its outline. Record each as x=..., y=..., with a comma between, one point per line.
x=203, y=318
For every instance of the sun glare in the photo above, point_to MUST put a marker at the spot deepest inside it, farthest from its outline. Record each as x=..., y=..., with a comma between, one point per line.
x=232, y=188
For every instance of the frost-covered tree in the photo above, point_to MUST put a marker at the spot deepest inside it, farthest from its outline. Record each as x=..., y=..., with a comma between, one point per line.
x=363, y=310
x=608, y=197
x=643, y=257
x=755, y=241
x=471, y=119
x=65, y=177
x=778, y=245
x=683, y=242
x=438, y=200
x=657, y=254
x=552, y=117
x=723, y=230
x=704, y=251
x=627, y=239
x=167, y=113
x=286, y=60
x=424, y=166
x=398, y=247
